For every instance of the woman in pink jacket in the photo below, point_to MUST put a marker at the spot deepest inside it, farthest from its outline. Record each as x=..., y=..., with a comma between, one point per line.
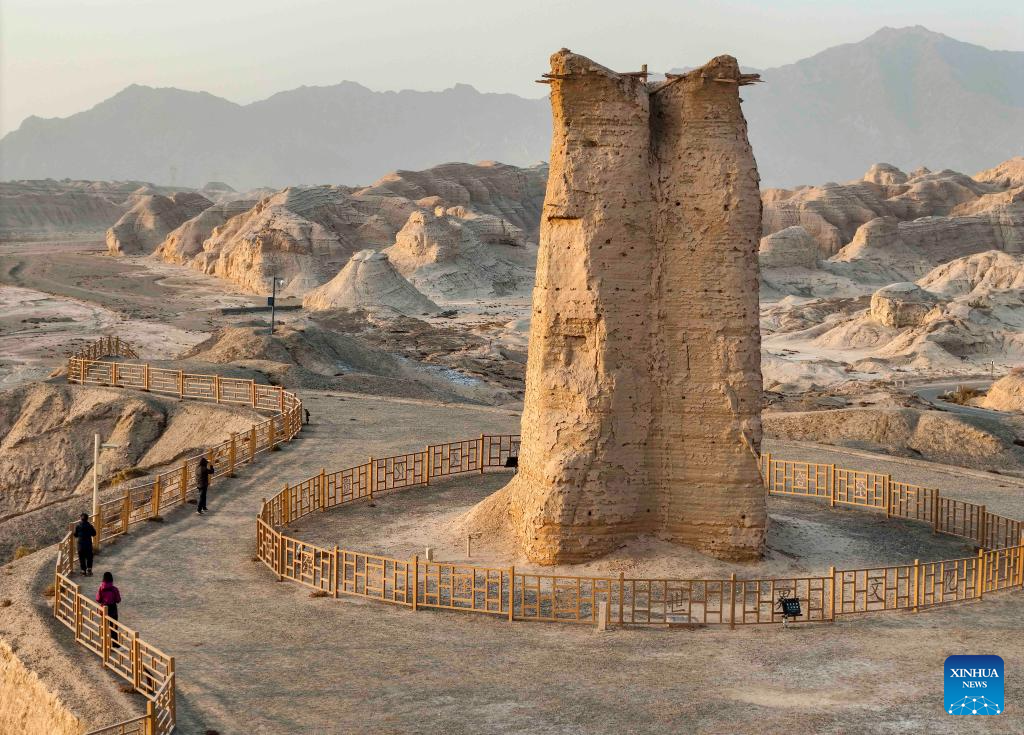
x=108, y=596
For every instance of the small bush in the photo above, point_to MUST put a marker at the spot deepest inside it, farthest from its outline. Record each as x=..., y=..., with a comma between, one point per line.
x=155, y=519
x=318, y=593
x=5, y=602
x=49, y=591
x=962, y=395
x=22, y=551
x=125, y=688
x=129, y=473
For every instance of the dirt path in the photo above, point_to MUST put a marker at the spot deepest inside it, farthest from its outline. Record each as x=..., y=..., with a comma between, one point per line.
x=258, y=656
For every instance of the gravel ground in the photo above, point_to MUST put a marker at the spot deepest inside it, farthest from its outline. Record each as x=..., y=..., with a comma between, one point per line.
x=258, y=656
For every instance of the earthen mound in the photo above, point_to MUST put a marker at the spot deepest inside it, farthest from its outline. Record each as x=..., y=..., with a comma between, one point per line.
x=1006, y=394
x=901, y=305
x=452, y=255
x=186, y=241
x=792, y=247
x=931, y=435
x=370, y=282
x=143, y=227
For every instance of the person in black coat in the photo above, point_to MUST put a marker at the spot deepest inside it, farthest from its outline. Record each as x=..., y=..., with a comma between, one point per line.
x=84, y=531
x=204, y=471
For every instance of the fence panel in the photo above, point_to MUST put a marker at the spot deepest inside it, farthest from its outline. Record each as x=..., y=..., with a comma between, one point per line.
x=90, y=625
x=162, y=380
x=554, y=598
x=99, y=372
x=800, y=478
x=959, y=518
x=757, y=600
x=65, y=592
x=855, y=487
x=912, y=501
x=1003, y=568
x=268, y=544
x=873, y=590
x=136, y=726
x=119, y=655
x=236, y=390
x=156, y=669
x=454, y=458
x=347, y=485
x=377, y=577
x=307, y=564
x=404, y=470
x=950, y=580
x=200, y=387
x=499, y=447
x=463, y=587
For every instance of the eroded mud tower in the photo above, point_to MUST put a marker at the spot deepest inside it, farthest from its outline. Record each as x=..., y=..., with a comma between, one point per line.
x=643, y=383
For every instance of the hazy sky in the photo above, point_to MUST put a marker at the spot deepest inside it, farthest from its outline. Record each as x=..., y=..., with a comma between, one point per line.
x=58, y=57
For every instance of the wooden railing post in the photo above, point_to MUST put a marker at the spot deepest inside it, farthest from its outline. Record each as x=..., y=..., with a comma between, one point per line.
x=181, y=384
x=622, y=596
x=480, y=454
x=145, y=377
x=184, y=482
x=373, y=477
x=915, y=599
x=979, y=575
x=113, y=373
x=78, y=614
x=136, y=662
x=232, y=454
x=104, y=635
x=127, y=510
x=732, y=601
x=1020, y=560
x=286, y=502
x=887, y=490
x=935, y=510
x=833, y=476
x=252, y=393
x=252, y=444
x=270, y=435
x=832, y=594
x=415, y=581
x=982, y=527
x=428, y=464
x=280, y=399
x=150, y=718
x=336, y=570
x=280, y=557
x=512, y=593
x=323, y=489
x=155, y=510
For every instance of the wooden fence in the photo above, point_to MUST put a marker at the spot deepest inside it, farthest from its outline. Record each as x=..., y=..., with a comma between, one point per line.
x=502, y=591
x=526, y=595
x=149, y=670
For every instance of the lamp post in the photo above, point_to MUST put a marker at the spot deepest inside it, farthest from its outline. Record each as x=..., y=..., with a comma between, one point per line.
x=275, y=282
x=97, y=445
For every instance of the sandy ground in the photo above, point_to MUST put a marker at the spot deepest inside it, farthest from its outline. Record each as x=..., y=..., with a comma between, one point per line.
x=804, y=538
x=56, y=296
x=258, y=656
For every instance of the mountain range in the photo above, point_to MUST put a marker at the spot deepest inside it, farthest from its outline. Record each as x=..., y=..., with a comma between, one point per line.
x=908, y=96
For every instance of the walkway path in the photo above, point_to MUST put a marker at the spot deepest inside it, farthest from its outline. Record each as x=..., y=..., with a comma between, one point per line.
x=257, y=656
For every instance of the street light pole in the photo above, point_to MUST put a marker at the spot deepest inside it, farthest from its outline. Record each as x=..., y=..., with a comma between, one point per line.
x=273, y=301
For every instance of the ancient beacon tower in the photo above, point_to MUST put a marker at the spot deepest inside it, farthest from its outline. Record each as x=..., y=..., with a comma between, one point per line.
x=643, y=384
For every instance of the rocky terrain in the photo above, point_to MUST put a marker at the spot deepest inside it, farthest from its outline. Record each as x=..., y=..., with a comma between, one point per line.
x=455, y=231
x=46, y=448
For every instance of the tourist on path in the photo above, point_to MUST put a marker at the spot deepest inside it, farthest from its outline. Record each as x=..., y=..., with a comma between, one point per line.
x=203, y=472
x=108, y=596
x=84, y=531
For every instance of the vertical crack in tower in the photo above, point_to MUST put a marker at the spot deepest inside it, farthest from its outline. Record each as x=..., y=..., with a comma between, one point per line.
x=643, y=382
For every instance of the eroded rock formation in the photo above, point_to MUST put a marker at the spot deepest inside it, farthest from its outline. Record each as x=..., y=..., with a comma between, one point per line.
x=643, y=387
x=369, y=282
x=143, y=227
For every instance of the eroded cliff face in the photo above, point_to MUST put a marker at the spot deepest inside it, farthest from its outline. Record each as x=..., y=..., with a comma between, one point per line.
x=643, y=385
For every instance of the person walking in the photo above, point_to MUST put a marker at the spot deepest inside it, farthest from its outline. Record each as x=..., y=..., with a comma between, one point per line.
x=108, y=596
x=84, y=531
x=204, y=470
